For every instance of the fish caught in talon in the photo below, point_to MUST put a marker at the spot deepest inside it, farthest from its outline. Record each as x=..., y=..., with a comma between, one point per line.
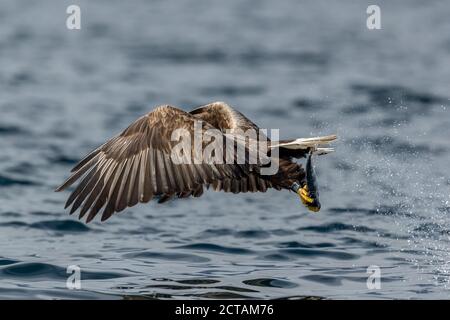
x=309, y=193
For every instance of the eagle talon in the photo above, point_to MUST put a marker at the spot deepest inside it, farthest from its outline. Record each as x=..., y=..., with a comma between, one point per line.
x=309, y=200
x=305, y=196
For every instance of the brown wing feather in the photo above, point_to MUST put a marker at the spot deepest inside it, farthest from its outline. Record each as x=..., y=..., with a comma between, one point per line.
x=136, y=165
x=288, y=173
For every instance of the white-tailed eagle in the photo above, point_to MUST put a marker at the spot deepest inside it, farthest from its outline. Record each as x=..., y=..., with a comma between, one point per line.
x=139, y=165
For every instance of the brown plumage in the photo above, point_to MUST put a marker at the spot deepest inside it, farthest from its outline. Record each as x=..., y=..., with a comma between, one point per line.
x=136, y=165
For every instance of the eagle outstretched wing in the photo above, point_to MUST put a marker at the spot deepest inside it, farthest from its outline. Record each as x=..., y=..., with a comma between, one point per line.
x=137, y=165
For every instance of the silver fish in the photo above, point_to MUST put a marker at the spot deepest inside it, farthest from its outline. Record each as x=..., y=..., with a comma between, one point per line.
x=311, y=182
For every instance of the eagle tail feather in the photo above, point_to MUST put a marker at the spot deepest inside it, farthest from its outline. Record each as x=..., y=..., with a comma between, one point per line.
x=319, y=144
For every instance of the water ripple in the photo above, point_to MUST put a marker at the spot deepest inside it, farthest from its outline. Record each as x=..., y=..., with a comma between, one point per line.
x=336, y=226
x=215, y=248
x=313, y=253
x=8, y=181
x=61, y=225
x=268, y=282
x=166, y=256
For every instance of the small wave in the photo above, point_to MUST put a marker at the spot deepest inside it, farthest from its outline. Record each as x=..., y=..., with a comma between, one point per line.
x=306, y=252
x=208, y=233
x=215, y=248
x=352, y=210
x=22, y=168
x=173, y=256
x=271, y=112
x=43, y=213
x=14, y=224
x=187, y=287
x=337, y=226
x=230, y=90
x=327, y=280
x=33, y=270
x=382, y=95
x=61, y=225
x=62, y=159
x=10, y=214
x=7, y=182
x=303, y=298
x=11, y=130
x=221, y=295
x=233, y=288
x=250, y=233
x=142, y=230
x=38, y=270
x=198, y=281
x=5, y=262
x=58, y=156
x=54, y=225
x=296, y=244
x=256, y=234
x=356, y=109
x=307, y=104
x=274, y=257
x=363, y=243
x=269, y=282
x=283, y=232
x=383, y=210
x=188, y=54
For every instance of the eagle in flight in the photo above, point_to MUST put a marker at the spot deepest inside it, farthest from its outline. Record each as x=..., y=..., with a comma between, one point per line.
x=139, y=164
